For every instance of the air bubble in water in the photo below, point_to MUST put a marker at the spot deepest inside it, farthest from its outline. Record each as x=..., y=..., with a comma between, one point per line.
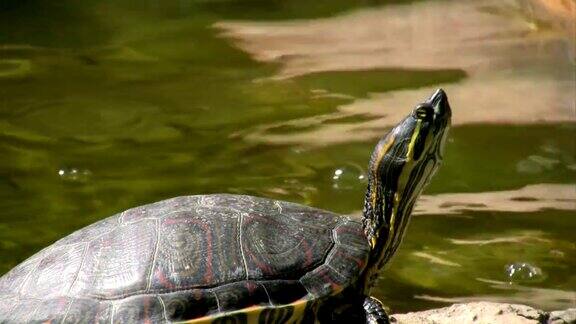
x=74, y=175
x=348, y=177
x=521, y=272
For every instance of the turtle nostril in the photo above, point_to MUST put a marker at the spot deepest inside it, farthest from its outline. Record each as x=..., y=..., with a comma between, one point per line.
x=439, y=101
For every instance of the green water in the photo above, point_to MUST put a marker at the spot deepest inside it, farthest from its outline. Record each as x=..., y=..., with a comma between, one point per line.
x=106, y=105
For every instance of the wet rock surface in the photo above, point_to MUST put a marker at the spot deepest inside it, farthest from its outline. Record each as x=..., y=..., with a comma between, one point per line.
x=486, y=312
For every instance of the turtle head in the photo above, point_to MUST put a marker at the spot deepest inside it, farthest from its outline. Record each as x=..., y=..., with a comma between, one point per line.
x=402, y=163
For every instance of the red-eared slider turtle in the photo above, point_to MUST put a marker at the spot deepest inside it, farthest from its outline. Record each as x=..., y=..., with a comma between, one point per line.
x=235, y=259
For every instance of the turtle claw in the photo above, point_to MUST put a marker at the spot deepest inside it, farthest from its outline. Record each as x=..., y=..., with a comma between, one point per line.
x=375, y=312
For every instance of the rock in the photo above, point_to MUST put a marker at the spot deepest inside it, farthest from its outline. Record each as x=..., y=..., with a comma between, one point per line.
x=563, y=316
x=487, y=312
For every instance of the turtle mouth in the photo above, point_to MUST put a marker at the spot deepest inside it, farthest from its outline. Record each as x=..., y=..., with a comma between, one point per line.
x=439, y=101
x=442, y=116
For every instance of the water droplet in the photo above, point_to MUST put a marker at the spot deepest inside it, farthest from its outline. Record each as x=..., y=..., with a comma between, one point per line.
x=521, y=272
x=74, y=175
x=348, y=177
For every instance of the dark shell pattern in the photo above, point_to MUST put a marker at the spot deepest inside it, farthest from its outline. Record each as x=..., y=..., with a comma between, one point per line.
x=185, y=258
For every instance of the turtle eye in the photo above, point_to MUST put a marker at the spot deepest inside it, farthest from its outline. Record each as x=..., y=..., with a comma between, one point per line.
x=423, y=111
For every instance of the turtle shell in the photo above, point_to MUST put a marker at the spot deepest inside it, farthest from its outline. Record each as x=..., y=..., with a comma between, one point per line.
x=188, y=258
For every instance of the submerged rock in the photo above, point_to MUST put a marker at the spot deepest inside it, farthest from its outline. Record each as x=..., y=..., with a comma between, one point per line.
x=487, y=312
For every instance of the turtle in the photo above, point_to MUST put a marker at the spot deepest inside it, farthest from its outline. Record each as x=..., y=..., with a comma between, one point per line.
x=226, y=258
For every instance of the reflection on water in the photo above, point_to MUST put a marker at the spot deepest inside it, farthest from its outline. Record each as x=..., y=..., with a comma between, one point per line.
x=527, y=199
x=128, y=103
x=519, y=71
x=476, y=36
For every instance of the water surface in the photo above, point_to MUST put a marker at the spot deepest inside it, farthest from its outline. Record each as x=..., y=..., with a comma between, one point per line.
x=108, y=105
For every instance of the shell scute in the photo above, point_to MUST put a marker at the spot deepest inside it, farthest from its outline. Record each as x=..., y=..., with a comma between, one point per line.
x=159, y=209
x=239, y=295
x=189, y=304
x=55, y=272
x=274, y=247
x=89, y=232
x=197, y=248
x=14, y=280
x=284, y=291
x=347, y=262
x=61, y=309
x=25, y=309
x=139, y=309
x=46, y=310
x=118, y=263
x=350, y=253
x=351, y=234
x=8, y=302
x=87, y=310
x=344, y=262
x=307, y=216
x=324, y=281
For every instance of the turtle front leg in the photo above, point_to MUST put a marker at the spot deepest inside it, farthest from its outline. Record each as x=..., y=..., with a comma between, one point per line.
x=374, y=310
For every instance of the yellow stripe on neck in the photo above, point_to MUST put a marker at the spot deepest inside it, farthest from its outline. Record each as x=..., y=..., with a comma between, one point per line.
x=380, y=154
x=402, y=179
x=397, y=194
x=410, y=153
